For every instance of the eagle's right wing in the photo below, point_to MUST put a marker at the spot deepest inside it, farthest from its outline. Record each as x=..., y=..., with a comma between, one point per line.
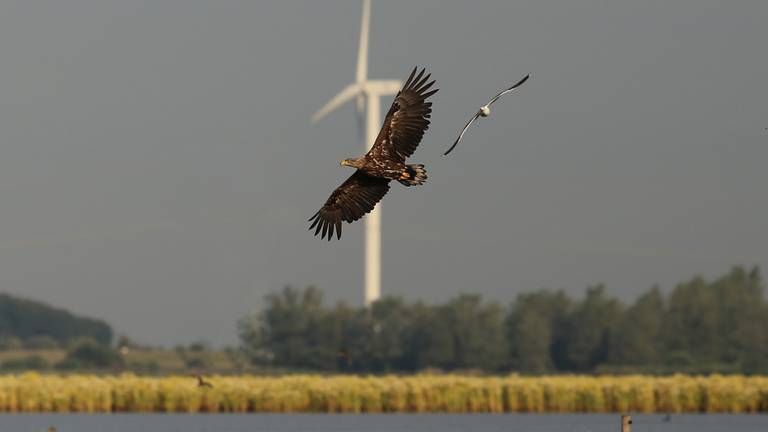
x=355, y=197
x=406, y=120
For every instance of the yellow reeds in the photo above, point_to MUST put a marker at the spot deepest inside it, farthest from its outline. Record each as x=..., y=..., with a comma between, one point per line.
x=32, y=392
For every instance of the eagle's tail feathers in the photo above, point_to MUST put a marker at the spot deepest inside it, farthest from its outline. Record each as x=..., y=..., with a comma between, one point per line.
x=413, y=175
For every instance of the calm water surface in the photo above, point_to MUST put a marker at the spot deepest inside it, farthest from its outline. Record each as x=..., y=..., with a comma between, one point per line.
x=376, y=423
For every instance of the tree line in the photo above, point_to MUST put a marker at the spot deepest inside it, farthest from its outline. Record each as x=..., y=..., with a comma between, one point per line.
x=700, y=326
x=32, y=324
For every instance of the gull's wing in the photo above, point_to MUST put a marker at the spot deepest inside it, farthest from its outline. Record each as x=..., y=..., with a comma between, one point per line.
x=518, y=84
x=466, y=126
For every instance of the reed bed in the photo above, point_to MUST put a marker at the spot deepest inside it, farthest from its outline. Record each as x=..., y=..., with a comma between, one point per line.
x=32, y=392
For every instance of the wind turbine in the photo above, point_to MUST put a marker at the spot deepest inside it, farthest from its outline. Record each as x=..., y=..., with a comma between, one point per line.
x=366, y=92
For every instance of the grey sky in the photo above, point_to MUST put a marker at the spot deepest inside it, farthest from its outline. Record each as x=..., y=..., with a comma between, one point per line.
x=157, y=164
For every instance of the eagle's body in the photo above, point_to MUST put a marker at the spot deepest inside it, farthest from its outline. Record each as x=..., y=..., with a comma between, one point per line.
x=403, y=128
x=377, y=167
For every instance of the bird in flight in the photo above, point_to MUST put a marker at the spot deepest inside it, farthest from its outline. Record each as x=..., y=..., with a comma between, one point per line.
x=403, y=128
x=201, y=382
x=485, y=111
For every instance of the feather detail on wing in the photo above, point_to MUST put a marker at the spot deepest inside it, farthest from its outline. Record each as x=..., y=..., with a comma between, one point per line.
x=406, y=121
x=355, y=197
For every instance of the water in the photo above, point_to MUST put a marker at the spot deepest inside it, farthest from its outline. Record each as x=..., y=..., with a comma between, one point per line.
x=376, y=423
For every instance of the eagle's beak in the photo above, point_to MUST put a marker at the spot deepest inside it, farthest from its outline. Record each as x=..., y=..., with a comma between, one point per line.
x=342, y=163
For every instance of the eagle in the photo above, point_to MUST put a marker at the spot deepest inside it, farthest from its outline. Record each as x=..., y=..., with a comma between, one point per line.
x=403, y=128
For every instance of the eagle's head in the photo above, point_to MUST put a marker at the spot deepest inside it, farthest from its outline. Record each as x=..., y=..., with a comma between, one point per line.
x=353, y=162
x=485, y=111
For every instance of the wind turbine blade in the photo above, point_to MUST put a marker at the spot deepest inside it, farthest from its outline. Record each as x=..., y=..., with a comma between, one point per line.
x=383, y=87
x=360, y=127
x=362, y=52
x=348, y=93
x=361, y=73
x=360, y=104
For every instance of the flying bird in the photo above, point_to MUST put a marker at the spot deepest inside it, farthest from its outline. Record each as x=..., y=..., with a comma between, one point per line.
x=201, y=382
x=485, y=111
x=403, y=128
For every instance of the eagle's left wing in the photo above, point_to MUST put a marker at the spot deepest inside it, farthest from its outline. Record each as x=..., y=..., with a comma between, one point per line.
x=406, y=121
x=355, y=197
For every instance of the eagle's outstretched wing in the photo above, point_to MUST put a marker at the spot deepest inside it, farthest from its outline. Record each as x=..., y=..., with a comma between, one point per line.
x=355, y=197
x=406, y=121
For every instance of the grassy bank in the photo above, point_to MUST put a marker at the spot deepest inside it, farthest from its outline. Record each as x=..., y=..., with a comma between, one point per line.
x=420, y=393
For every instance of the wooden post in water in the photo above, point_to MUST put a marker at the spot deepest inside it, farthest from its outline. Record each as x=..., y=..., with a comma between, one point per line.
x=626, y=422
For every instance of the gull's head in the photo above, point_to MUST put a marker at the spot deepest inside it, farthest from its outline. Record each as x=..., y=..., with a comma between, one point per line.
x=485, y=111
x=352, y=162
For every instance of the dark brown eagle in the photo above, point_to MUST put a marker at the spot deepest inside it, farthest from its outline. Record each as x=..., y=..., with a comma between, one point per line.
x=403, y=128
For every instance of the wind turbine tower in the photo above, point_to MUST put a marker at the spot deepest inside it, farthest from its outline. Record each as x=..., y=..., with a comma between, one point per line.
x=367, y=94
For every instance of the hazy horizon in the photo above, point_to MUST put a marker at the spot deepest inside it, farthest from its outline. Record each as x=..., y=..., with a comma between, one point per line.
x=158, y=163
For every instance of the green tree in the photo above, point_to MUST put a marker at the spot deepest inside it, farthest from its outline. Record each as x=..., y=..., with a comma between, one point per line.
x=690, y=327
x=293, y=330
x=742, y=327
x=477, y=333
x=588, y=335
x=429, y=340
x=533, y=325
x=26, y=319
x=387, y=324
x=636, y=342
